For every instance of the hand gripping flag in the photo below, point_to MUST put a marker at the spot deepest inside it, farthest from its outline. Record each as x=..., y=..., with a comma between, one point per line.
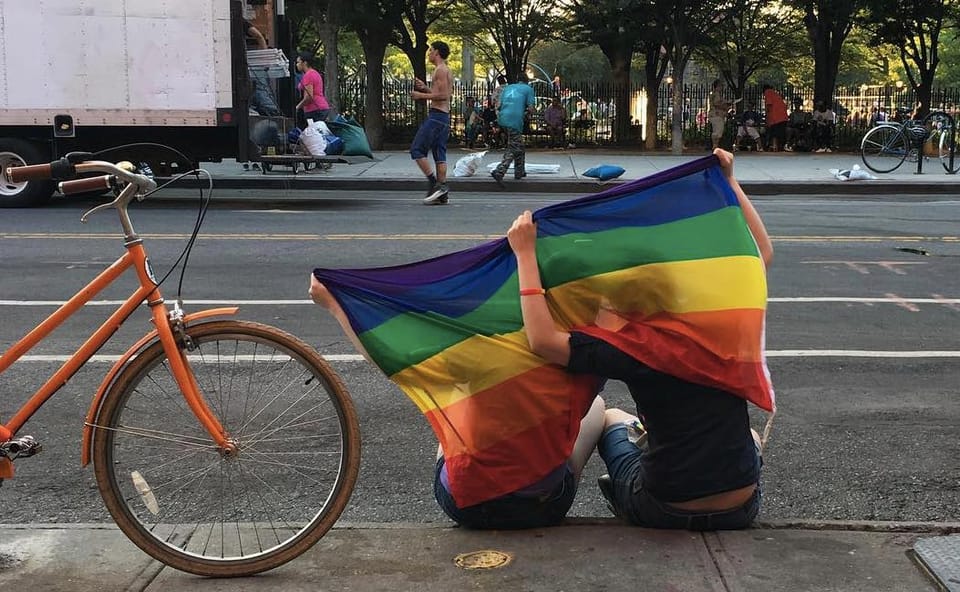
x=671, y=255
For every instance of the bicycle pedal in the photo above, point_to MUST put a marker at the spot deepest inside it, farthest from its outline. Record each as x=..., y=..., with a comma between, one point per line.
x=20, y=447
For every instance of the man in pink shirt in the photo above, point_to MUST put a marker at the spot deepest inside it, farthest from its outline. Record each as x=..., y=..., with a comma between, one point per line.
x=312, y=101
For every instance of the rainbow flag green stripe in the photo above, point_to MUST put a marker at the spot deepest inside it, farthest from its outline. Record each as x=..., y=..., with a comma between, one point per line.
x=408, y=338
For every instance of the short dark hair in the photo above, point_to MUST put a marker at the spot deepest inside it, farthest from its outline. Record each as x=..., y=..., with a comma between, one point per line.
x=306, y=57
x=442, y=48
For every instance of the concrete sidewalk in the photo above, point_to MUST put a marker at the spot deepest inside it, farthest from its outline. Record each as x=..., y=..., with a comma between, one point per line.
x=759, y=173
x=583, y=555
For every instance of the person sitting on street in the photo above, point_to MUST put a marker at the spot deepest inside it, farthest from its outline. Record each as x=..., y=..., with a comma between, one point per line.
x=749, y=127
x=544, y=503
x=700, y=466
x=824, y=122
x=555, y=117
x=799, y=128
x=472, y=122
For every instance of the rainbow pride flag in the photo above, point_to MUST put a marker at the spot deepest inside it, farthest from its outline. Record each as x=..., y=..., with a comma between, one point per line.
x=671, y=254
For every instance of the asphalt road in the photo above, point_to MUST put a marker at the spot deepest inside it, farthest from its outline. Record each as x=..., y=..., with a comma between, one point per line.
x=862, y=336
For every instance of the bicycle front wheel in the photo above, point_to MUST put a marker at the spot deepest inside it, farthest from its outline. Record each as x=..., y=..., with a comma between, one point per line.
x=951, y=165
x=884, y=148
x=202, y=509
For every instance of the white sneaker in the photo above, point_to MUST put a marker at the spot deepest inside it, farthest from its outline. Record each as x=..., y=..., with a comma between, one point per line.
x=827, y=150
x=438, y=196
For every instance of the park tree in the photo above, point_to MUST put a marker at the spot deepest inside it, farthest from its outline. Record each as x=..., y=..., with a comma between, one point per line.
x=689, y=24
x=914, y=27
x=656, y=60
x=411, y=36
x=412, y=25
x=374, y=21
x=828, y=23
x=737, y=51
x=515, y=26
x=606, y=24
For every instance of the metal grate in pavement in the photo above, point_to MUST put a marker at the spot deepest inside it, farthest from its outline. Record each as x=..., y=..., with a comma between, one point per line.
x=941, y=557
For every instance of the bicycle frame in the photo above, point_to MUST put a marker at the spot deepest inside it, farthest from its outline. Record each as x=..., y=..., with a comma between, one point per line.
x=163, y=320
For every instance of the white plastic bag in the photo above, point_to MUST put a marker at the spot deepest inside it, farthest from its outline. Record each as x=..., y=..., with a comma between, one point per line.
x=467, y=165
x=854, y=174
x=531, y=168
x=313, y=141
x=321, y=127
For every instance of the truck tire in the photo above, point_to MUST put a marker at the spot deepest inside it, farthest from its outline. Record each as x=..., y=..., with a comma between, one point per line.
x=14, y=152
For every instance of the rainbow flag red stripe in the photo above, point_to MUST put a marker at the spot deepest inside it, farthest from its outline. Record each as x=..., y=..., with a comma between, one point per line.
x=671, y=254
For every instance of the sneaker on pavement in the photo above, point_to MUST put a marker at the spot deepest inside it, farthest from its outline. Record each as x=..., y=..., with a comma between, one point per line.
x=498, y=177
x=439, y=195
x=606, y=489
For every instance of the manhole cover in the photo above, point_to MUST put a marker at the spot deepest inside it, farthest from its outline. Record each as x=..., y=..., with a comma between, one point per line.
x=482, y=559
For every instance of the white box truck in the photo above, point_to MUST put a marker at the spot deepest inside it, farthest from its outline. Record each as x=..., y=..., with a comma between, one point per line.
x=94, y=74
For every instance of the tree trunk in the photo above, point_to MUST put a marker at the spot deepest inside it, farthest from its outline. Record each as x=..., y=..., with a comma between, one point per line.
x=654, y=68
x=374, y=50
x=329, y=37
x=676, y=97
x=621, y=89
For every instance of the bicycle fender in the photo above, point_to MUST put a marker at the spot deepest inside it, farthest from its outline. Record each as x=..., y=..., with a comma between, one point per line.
x=86, y=441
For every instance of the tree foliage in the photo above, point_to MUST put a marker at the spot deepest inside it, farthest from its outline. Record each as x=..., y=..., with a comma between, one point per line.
x=914, y=27
x=516, y=26
x=605, y=24
x=738, y=52
x=828, y=23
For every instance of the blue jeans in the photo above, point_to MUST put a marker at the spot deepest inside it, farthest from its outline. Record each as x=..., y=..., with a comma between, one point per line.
x=635, y=504
x=432, y=137
x=509, y=512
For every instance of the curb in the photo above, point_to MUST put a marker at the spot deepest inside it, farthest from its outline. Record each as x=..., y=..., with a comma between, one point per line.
x=581, y=521
x=313, y=183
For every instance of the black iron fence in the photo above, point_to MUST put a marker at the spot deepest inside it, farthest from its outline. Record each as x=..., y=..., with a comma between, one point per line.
x=591, y=111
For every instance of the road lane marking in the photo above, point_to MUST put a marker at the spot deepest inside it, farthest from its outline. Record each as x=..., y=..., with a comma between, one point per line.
x=904, y=303
x=937, y=299
x=777, y=353
x=426, y=237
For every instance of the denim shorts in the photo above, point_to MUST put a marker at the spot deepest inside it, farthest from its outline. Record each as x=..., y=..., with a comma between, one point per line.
x=432, y=137
x=636, y=505
x=509, y=512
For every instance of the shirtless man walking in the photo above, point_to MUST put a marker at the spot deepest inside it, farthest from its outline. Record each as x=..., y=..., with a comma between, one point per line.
x=432, y=135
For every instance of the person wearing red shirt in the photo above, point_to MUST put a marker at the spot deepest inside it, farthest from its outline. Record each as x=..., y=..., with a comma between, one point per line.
x=776, y=118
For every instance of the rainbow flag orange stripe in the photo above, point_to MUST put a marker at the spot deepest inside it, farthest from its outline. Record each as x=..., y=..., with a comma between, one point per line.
x=670, y=254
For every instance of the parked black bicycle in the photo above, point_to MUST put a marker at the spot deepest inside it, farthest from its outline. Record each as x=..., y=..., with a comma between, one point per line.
x=885, y=146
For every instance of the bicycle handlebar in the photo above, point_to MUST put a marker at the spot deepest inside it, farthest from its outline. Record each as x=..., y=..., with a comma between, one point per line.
x=102, y=182
x=33, y=172
x=65, y=170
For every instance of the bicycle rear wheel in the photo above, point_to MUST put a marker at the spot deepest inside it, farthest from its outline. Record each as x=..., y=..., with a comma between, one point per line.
x=952, y=166
x=207, y=511
x=884, y=148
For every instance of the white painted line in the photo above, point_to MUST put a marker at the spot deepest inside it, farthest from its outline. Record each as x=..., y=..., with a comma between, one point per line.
x=785, y=299
x=109, y=358
x=858, y=353
x=777, y=353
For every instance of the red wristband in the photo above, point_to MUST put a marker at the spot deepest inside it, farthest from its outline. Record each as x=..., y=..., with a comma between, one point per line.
x=532, y=292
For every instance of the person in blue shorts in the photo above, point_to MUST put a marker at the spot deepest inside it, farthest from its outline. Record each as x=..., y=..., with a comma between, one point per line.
x=432, y=136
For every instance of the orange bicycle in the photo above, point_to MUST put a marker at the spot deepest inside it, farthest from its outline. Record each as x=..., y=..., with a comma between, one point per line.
x=220, y=447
